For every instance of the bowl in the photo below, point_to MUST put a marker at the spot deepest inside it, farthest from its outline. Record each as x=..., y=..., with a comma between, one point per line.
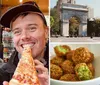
x=95, y=49
x=95, y=81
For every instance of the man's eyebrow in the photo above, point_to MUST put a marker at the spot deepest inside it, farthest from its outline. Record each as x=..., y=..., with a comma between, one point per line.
x=15, y=29
x=33, y=24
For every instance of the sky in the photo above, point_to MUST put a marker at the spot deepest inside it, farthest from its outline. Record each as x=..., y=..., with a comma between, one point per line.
x=95, y=4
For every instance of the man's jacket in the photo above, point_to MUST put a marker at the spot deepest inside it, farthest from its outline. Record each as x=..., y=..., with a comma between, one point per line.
x=7, y=69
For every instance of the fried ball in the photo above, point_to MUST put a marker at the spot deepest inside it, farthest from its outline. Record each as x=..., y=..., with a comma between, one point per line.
x=68, y=67
x=57, y=60
x=91, y=67
x=69, y=55
x=69, y=77
x=55, y=71
x=81, y=55
x=83, y=72
x=61, y=50
x=92, y=57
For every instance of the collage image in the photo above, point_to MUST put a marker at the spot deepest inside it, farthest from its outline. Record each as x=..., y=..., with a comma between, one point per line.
x=49, y=42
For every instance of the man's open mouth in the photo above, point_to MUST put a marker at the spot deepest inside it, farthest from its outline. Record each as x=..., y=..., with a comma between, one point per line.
x=28, y=44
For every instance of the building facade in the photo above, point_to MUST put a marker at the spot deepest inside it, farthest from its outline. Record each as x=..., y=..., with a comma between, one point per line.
x=68, y=9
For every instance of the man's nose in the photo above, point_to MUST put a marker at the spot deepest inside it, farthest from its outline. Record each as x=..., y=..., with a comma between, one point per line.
x=25, y=36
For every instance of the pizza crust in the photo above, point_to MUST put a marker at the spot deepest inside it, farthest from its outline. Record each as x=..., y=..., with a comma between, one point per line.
x=14, y=82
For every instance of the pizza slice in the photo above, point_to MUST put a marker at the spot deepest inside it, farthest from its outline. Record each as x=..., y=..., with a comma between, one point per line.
x=25, y=73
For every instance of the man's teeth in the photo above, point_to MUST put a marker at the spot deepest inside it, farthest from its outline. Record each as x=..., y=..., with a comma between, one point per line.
x=27, y=45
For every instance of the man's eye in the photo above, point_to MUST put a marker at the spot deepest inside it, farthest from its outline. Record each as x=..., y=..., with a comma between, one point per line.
x=16, y=32
x=32, y=29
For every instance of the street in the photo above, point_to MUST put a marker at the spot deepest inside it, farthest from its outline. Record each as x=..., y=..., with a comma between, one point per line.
x=74, y=39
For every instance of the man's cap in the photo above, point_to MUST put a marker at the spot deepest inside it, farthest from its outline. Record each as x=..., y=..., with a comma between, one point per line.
x=7, y=17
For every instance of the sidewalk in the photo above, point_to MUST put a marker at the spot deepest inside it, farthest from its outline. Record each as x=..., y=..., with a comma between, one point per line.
x=74, y=39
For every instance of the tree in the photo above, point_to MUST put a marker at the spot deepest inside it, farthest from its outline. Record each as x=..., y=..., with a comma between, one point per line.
x=51, y=21
x=97, y=27
x=94, y=28
x=54, y=16
x=74, y=25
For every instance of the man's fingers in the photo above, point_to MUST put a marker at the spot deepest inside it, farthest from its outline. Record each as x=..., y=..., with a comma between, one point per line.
x=37, y=62
x=5, y=83
x=42, y=76
x=44, y=79
x=42, y=69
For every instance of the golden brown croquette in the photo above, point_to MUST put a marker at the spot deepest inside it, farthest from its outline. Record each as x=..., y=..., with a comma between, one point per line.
x=83, y=72
x=68, y=66
x=69, y=77
x=69, y=55
x=55, y=71
x=91, y=67
x=61, y=50
x=56, y=60
x=81, y=55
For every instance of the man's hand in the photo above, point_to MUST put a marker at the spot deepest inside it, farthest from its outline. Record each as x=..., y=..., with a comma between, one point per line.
x=42, y=73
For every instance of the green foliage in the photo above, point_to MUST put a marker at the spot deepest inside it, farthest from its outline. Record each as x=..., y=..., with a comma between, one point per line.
x=54, y=20
x=97, y=27
x=51, y=21
x=97, y=21
x=54, y=13
x=73, y=25
x=94, y=28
